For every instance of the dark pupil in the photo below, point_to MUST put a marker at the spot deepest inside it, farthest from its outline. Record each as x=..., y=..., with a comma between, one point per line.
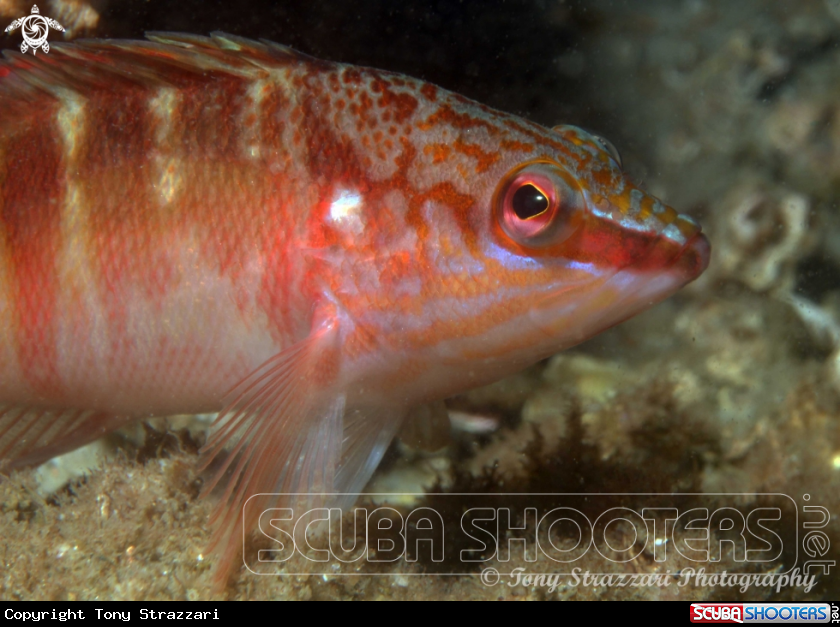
x=529, y=202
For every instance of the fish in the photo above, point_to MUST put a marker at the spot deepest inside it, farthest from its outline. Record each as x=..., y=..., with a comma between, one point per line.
x=312, y=250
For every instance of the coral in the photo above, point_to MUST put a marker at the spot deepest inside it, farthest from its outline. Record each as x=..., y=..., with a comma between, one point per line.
x=760, y=233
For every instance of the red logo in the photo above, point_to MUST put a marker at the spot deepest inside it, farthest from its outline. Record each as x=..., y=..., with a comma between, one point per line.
x=717, y=613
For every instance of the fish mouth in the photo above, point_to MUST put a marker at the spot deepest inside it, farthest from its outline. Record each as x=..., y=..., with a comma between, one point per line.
x=575, y=313
x=667, y=267
x=691, y=258
x=695, y=257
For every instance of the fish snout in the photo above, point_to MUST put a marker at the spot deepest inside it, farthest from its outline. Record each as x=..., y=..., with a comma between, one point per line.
x=694, y=259
x=695, y=249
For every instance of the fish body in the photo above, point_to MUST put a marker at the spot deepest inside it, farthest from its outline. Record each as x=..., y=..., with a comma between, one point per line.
x=196, y=224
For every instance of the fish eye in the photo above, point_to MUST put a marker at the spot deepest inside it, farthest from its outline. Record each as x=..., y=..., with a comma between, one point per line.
x=537, y=203
x=529, y=201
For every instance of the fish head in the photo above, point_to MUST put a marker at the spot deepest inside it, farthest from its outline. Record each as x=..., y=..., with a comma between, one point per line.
x=569, y=246
x=598, y=248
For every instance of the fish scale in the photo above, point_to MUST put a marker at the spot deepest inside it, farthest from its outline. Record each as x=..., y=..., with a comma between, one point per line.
x=211, y=224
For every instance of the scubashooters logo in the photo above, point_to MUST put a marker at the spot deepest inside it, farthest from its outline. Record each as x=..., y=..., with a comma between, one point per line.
x=568, y=540
x=35, y=28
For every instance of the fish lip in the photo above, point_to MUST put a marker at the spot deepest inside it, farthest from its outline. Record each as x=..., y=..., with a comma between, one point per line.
x=694, y=257
x=689, y=262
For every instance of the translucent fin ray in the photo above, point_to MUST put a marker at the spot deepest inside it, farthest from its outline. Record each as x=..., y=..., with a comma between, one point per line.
x=29, y=436
x=280, y=432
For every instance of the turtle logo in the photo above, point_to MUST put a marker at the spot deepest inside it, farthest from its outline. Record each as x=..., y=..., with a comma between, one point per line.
x=35, y=27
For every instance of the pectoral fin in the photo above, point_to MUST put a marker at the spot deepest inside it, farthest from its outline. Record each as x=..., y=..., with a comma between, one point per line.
x=286, y=429
x=281, y=432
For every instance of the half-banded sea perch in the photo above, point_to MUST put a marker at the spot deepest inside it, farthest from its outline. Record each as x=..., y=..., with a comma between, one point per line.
x=211, y=224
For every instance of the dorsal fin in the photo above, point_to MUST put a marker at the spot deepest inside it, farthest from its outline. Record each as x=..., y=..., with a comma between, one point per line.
x=167, y=59
x=256, y=51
